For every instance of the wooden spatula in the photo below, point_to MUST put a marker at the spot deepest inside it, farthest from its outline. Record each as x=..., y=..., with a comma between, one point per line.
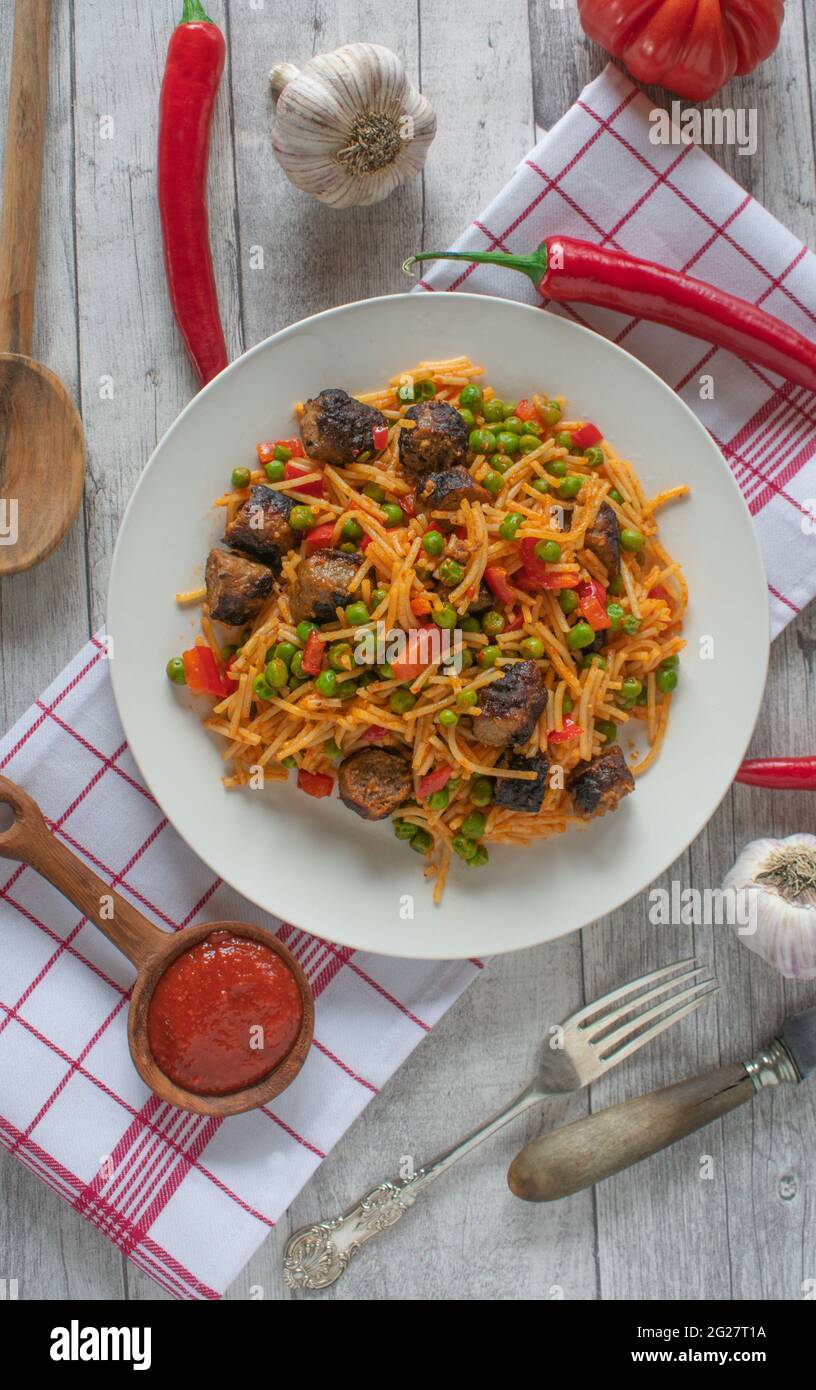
x=42, y=453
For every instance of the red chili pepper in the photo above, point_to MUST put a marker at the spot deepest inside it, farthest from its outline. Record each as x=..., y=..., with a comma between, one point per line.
x=565, y=269
x=435, y=781
x=592, y=600
x=203, y=674
x=313, y=654
x=380, y=436
x=292, y=471
x=497, y=583
x=315, y=783
x=568, y=731
x=319, y=537
x=525, y=410
x=586, y=435
x=195, y=61
x=791, y=774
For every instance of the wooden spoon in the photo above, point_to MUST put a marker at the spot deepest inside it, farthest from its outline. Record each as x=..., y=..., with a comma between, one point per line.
x=42, y=453
x=30, y=841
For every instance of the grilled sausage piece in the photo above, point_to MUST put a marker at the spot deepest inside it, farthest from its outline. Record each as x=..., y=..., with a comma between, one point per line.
x=322, y=585
x=511, y=706
x=237, y=586
x=262, y=525
x=522, y=796
x=336, y=428
x=598, y=786
x=482, y=602
x=438, y=440
x=374, y=782
x=443, y=492
x=603, y=539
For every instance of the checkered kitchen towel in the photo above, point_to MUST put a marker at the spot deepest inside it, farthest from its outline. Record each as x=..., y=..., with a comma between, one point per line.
x=597, y=175
x=187, y=1198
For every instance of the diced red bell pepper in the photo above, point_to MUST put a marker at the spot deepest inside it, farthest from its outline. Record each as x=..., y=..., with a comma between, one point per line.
x=408, y=503
x=592, y=600
x=319, y=537
x=515, y=623
x=204, y=676
x=569, y=730
x=294, y=445
x=375, y=733
x=313, y=654
x=435, y=781
x=266, y=450
x=663, y=594
x=292, y=471
x=380, y=436
x=586, y=435
x=421, y=606
x=364, y=542
x=460, y=532
x=525, y=410
x=412, y=666
x=315, y=783
x=497, y=583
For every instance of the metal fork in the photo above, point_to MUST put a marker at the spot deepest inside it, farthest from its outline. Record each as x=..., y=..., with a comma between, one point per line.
x=577, y=1053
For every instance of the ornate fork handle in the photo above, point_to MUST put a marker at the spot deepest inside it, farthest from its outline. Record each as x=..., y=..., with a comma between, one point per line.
x=317, y=1255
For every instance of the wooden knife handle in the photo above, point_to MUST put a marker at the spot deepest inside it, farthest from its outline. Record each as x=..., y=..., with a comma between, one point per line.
x=569, y=1159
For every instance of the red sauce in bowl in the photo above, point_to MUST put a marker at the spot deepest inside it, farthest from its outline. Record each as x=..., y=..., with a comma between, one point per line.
x=223, y=1014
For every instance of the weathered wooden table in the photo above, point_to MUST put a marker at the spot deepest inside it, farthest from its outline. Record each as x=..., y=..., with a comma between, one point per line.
x=742, y=1225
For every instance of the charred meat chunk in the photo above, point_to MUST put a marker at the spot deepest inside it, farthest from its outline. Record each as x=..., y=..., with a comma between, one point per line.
x=262, y=525
x=374, y=782
x=483, y=601
x=603, y=539
x=337, y=429
x=322, y=585
x=237, y=586
x=597, y=787
x=511, y=706
x=443, y=492
x=439, y=439
x=522, y=796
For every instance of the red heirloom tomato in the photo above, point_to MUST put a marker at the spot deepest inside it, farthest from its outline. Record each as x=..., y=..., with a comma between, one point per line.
x=691, y=47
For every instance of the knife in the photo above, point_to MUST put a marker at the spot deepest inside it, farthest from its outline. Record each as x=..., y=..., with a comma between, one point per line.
x=578, y=1155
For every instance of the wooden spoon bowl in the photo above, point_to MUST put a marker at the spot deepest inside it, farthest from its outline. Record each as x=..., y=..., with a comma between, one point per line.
x=29, y=841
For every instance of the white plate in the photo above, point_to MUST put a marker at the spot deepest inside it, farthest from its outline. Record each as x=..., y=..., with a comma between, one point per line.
x=314, y=862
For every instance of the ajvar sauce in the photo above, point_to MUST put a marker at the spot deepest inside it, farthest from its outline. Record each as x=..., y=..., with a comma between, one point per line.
x=223, y=1014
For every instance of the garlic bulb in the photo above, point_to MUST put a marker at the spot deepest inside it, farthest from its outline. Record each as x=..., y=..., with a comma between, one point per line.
x=349, y=126
x=778, y=880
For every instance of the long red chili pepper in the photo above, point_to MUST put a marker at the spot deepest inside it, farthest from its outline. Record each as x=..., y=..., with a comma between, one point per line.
x=195, y=61
x=792, y=774
x=564, y=269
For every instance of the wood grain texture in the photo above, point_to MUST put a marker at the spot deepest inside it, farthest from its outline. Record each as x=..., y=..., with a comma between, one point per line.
x=666, y=1230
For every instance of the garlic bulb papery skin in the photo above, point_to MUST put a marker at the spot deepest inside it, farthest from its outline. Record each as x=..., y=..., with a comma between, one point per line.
x=349, y=126
x=779, y=878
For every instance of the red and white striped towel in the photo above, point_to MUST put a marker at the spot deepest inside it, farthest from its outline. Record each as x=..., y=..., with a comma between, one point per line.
x=189, y=1199
x=597, y=175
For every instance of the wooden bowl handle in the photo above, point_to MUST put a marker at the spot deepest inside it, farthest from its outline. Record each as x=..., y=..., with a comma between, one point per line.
x=29, y=840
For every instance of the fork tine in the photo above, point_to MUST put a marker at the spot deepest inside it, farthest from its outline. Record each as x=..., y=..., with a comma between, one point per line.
x=699, y=994
x=597, y=1026
x=590, y=1010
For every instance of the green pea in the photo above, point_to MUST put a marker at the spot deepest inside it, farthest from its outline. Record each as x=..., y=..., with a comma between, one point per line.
x=507, y=442
x=439, y=800
x=616, y=615
x=405, y=393
x=352, y=530
x=424, y=390
x=175, y=670
x=275, y=471
x=571, y=486
x=488, y=656
x=632, y=539
x=631, y=688
x=332, y=749
x=276, y=673
x=568, y=601
x=593, y=456
x=513, y=425
x=580, y=636
x=357, y=613
x=479, y=858
x=493, y=410
x=466, y=699
x=556, y=468
x=510, y=526
x=404, y=830
x=666, y=681
x=631, y=625
x=262, y=688
x=532, y=648
x=326, y=684
x=451, y=573
x=471, y=396
x=540, y=485
x=386, y=671
x=616, y=496
x=473, y=825
x=375, y=492
x=448, y=718
x=228, y=652
x=670, y=663
x=501, y=463
x=494, y=482
x=401, y=701
x=378, y=596
x=392, y=516
x=433, y=543
x=289, y=762
x=422, y=841
x=241, y=478
x=607, y=729
x=304, y=629
x=296, y=667
x=528, y=442
x=284, y=651
x=465, y=848
x=616, y=586
x=301, y=518
x=445, y=616
x=594, y=659
x=348, y=548
x=481, y=791
x=548, y=551
x=482, y=441
x=566, y=704
x=552, y=413
x=341, y=657
x=468, y=417
x=281, y=454
x=564, y=440
x=470, y=623
x=466, y=659
x=493, y=622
